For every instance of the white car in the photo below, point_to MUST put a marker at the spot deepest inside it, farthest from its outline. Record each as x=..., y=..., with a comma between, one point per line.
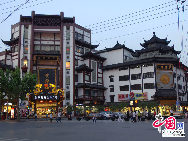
x=106, y=114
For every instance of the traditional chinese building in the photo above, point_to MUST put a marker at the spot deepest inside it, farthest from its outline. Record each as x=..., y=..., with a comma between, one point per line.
x=57, y=49
x=153, y=73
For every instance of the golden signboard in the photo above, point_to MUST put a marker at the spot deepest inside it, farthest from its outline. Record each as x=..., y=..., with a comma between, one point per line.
x=166, y=67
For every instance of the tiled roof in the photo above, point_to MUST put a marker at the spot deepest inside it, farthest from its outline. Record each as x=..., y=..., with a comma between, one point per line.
x=83, y=68
x=117, y=46
x=141, y=61
x=93, y=55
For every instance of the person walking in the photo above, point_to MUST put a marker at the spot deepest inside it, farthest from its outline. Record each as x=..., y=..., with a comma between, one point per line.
x=134, y=116
x=146, y=114
x=35, y=116
x=94, y=119
x=50, y=117
x=59, y=117
x=46, y=116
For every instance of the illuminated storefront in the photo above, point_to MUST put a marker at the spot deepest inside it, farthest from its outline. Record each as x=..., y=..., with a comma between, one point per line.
x=46, y=99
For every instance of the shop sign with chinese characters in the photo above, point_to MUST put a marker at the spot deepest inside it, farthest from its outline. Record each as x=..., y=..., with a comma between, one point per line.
x=172, y=129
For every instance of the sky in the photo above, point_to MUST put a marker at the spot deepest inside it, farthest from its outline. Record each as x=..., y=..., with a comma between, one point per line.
x=126, y=21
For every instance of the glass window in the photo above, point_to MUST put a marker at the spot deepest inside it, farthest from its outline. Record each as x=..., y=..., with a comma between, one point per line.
x=124, y=88
x=68, y=80
x=111, y=88
x=57, y=48
x=94, y=72
x=124, y=78
x=136, y=87
x=67, y=95
x=111, y=78
x=87, y=50
x=148, y=75
x=76, y=77
x=67, y=65
x=37, y=47
x=76, y=62
x=149, y=86
x=100, y=80
x=135, y=76
x=80, y=50
x=87, y=92
x=87, y=78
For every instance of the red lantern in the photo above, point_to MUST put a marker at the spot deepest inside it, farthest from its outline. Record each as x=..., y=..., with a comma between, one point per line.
x=45, y=85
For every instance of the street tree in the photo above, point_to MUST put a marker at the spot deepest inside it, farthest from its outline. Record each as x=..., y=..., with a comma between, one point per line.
x=21, y=86
x=5, y=87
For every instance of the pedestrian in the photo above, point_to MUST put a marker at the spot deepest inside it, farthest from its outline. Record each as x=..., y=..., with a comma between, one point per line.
x=154, y=114
x=146, y=114
x=134, y=116
x=59, y=117
x=128, y=114
x=47, y=116
x=171, y=112
x=139, y=115
x=35, y=116
x=94, y=119
x=50, y=117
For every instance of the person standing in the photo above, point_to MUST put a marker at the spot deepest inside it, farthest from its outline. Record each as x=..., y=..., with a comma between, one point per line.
x=35, y=116
x=171, y=112
x=50, y=117
x=47, y=116
x=128, y=114
x=139, y=115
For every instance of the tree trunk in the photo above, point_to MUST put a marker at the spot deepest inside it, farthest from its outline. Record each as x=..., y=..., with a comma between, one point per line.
x=0, y=108
x=18, y=110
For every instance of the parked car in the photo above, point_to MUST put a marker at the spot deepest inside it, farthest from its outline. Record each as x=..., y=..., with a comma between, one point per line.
x=178, y=115
x=106, y=114
x=117, y=114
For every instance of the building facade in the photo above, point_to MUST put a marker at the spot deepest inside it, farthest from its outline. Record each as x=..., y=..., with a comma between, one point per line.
x=59, y=52
x=152, y=73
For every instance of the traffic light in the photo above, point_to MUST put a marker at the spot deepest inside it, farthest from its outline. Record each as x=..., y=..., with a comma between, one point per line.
x=28, y=107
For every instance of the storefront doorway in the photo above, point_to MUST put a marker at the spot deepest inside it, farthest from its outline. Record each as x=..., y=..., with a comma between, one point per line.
x=46, y=107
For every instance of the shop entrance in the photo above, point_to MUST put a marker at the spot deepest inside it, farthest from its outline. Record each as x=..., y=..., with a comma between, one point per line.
x=44, y=108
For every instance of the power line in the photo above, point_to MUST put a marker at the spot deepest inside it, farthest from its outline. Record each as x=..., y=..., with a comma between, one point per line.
x=15, y=11
x=31, y=6
x=136, y=22
x=128, y=14
x=18, y=5
x=7, y=2
x=99, y=41
x=133, y=15
x=155, y=14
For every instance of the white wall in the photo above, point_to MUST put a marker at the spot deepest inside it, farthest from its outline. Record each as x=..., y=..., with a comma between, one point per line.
x=113, y=57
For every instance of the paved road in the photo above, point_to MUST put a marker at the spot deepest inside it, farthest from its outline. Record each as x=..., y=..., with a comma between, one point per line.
x=82, y=131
